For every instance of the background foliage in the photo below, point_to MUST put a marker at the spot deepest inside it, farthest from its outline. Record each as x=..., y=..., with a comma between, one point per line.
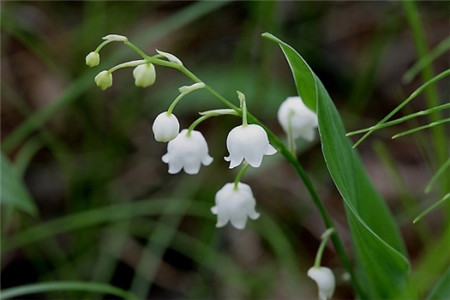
x=92, y=200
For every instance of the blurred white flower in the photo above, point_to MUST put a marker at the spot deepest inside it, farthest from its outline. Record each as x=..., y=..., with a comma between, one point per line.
x=248, y=142
x=144, y=75
x=325, y=281
x=103, y=80
x=115, y=38
x=92, y=59
x=170, y=57
x=187, y=152
x=165, y=127
x=234, y=205
x=294, y=116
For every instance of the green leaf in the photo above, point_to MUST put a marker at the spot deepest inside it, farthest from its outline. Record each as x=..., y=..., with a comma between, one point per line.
x=441, y=290
x=379, y=250
x=13, y=192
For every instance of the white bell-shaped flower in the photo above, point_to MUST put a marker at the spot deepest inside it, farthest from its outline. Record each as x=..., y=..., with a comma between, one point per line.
x=296, y=117
x=144, y=75
x=325, y=281
x=188, y=152
x=234, y=205
x=92, y=59
x=248, y=142
x=103, y=80
x=165, y=127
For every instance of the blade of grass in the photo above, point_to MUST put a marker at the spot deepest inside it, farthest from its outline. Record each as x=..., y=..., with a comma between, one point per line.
x=430, y=125
x=438, y=133
x=405, y=102
x=400, y=120
x=426, y=60
x=108, y=214
x=435, y=177
x=429, y=209
x=66, y=286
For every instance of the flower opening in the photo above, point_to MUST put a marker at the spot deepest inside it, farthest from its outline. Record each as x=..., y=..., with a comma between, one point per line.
x=248, y=142
x=234, y=205
x=187, y=151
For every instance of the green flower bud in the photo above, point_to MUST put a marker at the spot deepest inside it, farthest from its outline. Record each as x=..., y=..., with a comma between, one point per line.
x=103, y=80
x=144, y=75
x=92, y=59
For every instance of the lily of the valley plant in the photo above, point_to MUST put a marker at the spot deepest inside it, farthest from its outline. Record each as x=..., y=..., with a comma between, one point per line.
x=247, y=143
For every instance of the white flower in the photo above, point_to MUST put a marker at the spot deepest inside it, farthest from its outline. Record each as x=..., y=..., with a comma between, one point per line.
x=188, y=152
x=170, y=57
x=294, y=116
x=115, y=38
x=103, y=80
x=248, y=142
x=92, y=59
x=325, y=281
x=234, y=205
x=165, y=127
x=144, y=75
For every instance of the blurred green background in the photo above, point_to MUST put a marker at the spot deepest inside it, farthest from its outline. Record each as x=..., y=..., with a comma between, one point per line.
x=108, y=211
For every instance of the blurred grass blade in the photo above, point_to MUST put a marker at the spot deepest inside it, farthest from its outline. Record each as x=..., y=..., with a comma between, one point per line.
x=430, y=125
x=66, y=286
x=425, y=212
x=405, y=102
x=426, y=60
x=378, y=244
x=435, y=177
x=441, y=290
x=13, y=192
x=108, y=214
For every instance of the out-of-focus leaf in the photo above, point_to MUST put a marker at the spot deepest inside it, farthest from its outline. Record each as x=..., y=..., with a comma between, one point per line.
x=441, y=290
x=380, y=253
x=13, y=192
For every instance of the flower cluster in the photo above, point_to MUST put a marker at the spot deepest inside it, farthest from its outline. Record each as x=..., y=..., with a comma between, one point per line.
x=187, y=149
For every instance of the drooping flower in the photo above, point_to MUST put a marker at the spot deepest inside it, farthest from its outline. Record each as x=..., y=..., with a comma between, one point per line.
x=188, y=152
x=103, y=80
x=165, y=127
x=324, y=278
x=234, y=205
x=92, y=59
x=295, y=117
x=144, y=75
x=248, y=142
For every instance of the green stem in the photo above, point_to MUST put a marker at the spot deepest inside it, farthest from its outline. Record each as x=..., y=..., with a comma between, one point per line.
x=101, y=46
x=174, y=103
x=323, y=243
x=239, y=175
x=196, y=122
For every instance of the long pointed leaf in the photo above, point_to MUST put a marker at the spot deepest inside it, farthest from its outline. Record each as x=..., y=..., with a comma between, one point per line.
x=380, y=253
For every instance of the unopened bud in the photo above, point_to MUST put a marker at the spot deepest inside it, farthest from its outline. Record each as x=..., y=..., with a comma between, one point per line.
x=92, y=59
x=144, y=75
x=103, y=80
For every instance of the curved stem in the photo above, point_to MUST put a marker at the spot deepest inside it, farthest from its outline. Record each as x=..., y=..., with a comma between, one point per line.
x=174, y=103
